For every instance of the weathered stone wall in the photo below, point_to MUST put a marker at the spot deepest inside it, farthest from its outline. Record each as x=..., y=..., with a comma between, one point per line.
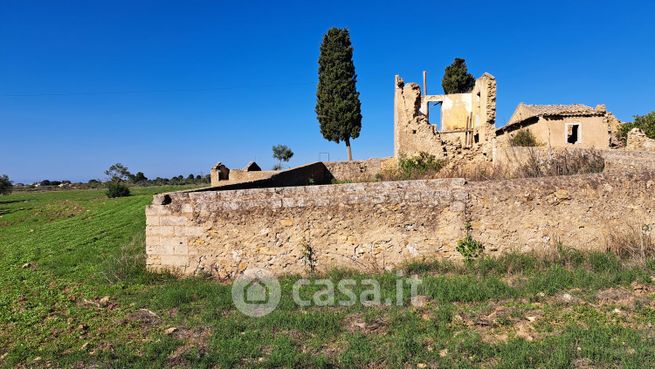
x=638, y=141
x=578, y=211
x=239, y=175
x=383, y=224
x=484, y=108
x=456, y=110
x=363, y=225
x=358, y=170
x=220, y=175
x=615, y=160
x=308, y=174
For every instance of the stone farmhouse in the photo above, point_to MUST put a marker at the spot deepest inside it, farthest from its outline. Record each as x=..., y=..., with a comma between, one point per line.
x=574, y=125
x=298, y=221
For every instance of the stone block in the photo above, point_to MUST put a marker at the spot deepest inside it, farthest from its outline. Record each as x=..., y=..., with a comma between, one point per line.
x=153, y=230
x=153, y=240
x=166, y=231
x=154, y=210
x=174, y=241
x=152, y=220
x=186, y=208
x=174, y=261
x=193, y=231
x=181, y=249
x=172, y=220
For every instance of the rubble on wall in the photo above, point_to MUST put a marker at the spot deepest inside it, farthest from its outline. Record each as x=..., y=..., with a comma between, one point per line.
x=638, y=141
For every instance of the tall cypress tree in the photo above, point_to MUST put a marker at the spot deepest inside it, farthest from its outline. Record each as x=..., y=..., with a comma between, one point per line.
x=457, y=78
x=337, y=101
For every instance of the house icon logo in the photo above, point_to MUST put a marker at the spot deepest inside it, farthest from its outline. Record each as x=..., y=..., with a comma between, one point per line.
x=256, y=292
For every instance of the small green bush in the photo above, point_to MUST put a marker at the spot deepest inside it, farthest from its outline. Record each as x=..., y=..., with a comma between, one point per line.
x=419, y=166
x=470, y=248
x=117, y=189
x=523, y=138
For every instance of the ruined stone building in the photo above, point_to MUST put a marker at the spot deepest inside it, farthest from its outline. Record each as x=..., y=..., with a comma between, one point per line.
x=222, y=175
x=467, y=120
x=574, y=125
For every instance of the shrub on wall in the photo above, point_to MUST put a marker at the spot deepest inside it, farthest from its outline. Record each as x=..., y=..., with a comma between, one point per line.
x=420, y=166
x=470, y=248
x=117, y=189
x=523, y=138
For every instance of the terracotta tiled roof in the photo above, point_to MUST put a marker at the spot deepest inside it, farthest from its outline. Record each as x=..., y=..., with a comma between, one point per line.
x=524, y=112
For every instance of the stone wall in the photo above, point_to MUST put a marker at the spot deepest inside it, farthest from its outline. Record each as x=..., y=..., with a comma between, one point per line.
x=358, y=170
x=308, y=174
x=456, y=110
x=364, y=225
x=313, y=173
x=578, y=211
x=638, y=141
x=615, y=160
x=380, y=225
x=239, y=175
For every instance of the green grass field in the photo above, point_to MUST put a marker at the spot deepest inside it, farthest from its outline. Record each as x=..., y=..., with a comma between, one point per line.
x=63, y=253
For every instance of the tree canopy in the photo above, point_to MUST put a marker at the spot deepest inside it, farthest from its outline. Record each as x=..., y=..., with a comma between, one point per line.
x=5, y=185
x=457, y=79
x=281, y=153
x=118, y=173
x=338, y=108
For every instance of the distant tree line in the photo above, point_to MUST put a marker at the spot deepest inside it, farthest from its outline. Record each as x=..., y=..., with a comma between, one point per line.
x=119, y=178
x=120, y=173
x=180, y=180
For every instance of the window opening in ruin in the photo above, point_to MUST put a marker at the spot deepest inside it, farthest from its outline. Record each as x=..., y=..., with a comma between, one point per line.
x=434, y=115
x=572, y=133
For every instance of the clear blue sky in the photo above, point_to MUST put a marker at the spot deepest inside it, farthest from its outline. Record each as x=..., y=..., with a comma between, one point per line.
x=172, y=87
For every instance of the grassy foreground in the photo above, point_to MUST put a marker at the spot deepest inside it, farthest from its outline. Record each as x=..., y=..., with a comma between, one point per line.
x=73, y=293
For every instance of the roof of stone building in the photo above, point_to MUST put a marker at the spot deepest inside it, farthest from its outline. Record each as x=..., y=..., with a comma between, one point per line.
x=252, y=167
x=524, y=112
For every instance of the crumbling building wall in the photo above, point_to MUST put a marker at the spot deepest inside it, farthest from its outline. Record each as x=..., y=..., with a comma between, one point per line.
x=413, y=133
x=467, y=120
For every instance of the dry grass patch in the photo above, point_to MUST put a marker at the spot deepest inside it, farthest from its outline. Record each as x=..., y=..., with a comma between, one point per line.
x=631, y=241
